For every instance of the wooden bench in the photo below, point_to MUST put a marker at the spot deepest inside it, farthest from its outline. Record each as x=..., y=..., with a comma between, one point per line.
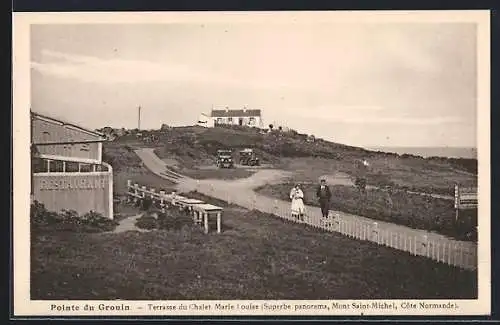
x=204, y=211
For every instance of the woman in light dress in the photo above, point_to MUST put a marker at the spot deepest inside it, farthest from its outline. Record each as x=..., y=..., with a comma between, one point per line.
x=298, y=208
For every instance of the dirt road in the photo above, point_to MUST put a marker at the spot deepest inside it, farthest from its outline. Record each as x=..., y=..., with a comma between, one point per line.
x=241, y=192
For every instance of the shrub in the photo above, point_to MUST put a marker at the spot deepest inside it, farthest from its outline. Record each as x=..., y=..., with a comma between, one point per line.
x=69, y=220
x=97, y=221
x=146, y=222
x=39, y=215
x=147, y=203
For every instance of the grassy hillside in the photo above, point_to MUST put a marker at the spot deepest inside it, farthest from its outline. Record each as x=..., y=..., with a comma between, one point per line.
x=257, y=256
x=193, y=146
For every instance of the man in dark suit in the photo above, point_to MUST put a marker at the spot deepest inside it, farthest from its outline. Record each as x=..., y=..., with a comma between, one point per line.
x=324, y=195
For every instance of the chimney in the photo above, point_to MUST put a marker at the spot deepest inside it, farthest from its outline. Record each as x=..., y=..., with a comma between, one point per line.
x=244, y=108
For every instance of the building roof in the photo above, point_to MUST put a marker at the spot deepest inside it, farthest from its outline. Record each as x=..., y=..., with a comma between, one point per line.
x=235, y=113
x=63, y=123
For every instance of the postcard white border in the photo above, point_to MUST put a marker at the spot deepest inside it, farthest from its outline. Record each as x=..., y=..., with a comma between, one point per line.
x=23, y=306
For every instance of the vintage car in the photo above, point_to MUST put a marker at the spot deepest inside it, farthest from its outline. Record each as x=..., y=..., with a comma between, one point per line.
x=224, y=159
x=248, y=158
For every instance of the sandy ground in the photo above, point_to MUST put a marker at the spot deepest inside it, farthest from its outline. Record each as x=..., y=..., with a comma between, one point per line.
x=214, y=167
x=241, y=192
x=128, y=224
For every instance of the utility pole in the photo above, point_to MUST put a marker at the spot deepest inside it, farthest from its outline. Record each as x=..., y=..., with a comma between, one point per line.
x=139, y=120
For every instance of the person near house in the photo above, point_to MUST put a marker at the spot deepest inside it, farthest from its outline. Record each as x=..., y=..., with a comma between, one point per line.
x=324, y=195
x=298, y=207
x=360, y=181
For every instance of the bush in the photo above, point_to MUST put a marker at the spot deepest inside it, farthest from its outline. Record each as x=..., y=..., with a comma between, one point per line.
x=97, y=221
x=146, y=222
x=147, y=203
x=69, y=220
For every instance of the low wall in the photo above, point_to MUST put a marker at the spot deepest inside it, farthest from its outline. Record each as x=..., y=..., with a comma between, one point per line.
x=82, y=192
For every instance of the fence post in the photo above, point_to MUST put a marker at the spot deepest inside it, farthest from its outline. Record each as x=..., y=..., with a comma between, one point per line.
x=136, y=192
x=425, y=246
x=336, y=222
x=276, y=212
x=129, y=189
x=375, y=233
x=153, y=198
x=162, y=201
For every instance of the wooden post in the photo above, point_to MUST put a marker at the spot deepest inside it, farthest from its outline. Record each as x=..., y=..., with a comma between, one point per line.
x=206, y=222
x=219, y=221
x=336, y=222
x=425, y=246
x=162, y=201
x=136, y=192
x=129, y=197
x=375, y=233
x=195, y=217
x=153, y=198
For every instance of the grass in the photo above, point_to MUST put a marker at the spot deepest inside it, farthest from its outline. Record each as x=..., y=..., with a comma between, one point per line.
x=412, y=210
x=256, y=257
x=409, y=173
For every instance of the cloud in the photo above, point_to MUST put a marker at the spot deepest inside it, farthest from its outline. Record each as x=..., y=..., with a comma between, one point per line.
x=118, y=71
x=360, y=115
x=402, y=120
x=113, y=71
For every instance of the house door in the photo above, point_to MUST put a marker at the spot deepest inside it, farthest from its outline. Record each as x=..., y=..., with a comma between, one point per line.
x=240, y=121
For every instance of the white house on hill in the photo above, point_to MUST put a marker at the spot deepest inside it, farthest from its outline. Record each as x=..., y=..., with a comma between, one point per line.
x=244, y=117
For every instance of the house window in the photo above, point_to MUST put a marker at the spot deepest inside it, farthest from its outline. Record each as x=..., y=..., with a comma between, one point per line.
x=85, y=168
x=230, y=120
x=101, y=168
x=39, y=165
x=71, y=167
x=251, y=121
x=57, y=166
x=219, y=120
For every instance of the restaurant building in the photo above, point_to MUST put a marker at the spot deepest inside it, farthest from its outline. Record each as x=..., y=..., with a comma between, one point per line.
x=67, y=168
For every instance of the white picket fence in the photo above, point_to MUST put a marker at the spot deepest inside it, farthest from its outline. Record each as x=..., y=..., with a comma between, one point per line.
x=441, y=249
x=448, y=251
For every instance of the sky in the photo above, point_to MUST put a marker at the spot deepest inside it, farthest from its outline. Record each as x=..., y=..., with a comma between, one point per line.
x=362, y=84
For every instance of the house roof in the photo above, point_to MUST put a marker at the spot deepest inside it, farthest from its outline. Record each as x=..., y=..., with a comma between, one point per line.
x=66, y=124
x=235, y=113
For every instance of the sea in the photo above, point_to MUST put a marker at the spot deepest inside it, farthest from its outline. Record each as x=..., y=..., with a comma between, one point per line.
x=449, y=152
